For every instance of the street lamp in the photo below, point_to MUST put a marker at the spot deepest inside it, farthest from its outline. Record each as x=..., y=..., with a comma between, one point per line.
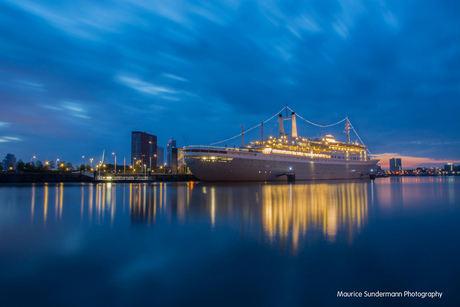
x=115, y=165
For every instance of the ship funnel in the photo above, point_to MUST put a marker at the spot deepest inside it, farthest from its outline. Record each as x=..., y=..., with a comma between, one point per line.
x=294, y=125
x=280, y=119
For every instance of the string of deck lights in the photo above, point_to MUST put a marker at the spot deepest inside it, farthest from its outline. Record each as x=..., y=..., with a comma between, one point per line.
x=318, y=125
x=251, y=128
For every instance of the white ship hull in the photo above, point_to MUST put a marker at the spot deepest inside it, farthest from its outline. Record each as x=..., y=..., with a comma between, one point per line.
x=229, y=165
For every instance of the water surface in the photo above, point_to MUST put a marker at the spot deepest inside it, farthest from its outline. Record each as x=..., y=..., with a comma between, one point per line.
x=258, y=244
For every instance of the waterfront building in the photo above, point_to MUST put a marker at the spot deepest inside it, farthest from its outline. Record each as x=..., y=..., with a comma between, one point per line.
x=174, y=160
x=160, y=156
x=143, y=149
x=449, y=167
x=395, y=165
x=171, y=145
x=9, y=162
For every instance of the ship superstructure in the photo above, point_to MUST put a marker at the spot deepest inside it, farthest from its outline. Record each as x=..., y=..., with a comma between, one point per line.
x=287, y=156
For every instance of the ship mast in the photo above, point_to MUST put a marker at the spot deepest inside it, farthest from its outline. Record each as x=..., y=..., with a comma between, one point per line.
x=347, y=130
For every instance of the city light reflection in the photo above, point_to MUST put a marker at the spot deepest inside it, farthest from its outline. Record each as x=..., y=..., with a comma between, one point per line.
x=288, y=215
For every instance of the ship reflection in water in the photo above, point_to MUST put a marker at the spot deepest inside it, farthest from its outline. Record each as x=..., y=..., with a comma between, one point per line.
x=288, y=215
x=279, y=212
x=232, y=244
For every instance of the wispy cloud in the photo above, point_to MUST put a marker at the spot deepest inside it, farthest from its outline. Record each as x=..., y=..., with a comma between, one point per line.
x=5, y=139
x=171, y=76
x=142, y=86
x=75, y=109
x=364, y=59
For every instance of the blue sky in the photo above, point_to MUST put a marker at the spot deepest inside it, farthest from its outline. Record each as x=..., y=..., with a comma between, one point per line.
x=76, y=77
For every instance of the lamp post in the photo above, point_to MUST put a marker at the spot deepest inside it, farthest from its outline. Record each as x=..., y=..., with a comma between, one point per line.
x=115, y=165
x=91, y=161
x=56, y=165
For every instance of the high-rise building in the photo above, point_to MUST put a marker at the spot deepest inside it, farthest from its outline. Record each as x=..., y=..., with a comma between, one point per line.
x=160, y=156
x=143, y=149
x=449, y=167
x=171, y=145
x=9, y=162
x=174, y=160
x=395, y=165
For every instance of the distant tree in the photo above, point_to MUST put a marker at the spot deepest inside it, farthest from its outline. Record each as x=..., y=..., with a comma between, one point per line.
x=81, y=167
x=61, y=167
x=69, y=166
x=137, y=168
x=20, y=165
x=39, y=166
x=88, y=167
x=30, y=167
x=51, y=165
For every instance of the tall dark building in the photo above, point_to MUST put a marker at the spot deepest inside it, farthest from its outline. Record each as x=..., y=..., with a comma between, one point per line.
x=174, y=160
x=449, y=167
x=160, y=156
x=395, y=165
x=171, y=145
x=144, y=149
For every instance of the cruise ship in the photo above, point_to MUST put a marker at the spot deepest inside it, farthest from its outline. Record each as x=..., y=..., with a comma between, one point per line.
x=287, y=157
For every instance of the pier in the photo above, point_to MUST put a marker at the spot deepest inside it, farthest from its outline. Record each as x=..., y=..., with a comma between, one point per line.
x=26, y=177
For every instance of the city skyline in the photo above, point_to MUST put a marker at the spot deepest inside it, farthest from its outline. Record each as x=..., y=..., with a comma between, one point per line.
x=78, y=79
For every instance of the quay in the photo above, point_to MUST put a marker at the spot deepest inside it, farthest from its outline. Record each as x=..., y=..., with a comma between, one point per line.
x=141, y=178
x=52, y=177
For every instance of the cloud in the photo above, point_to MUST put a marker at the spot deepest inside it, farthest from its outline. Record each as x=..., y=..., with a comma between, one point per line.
x=387, y=65
x=5, y=139
x=143, y=86
x=174, y=77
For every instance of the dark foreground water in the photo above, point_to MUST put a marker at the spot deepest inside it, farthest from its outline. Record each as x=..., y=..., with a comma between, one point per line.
x=197, y=244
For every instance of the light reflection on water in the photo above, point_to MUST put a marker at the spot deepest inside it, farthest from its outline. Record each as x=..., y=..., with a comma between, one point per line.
x=278, y=213
x=196, y=243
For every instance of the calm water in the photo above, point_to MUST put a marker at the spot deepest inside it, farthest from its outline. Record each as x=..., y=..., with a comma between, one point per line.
x=197, y=244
